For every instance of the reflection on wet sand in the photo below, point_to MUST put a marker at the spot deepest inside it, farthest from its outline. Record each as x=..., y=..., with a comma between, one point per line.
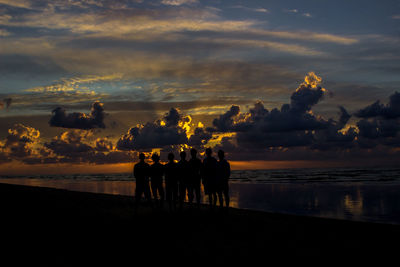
x=377, y=203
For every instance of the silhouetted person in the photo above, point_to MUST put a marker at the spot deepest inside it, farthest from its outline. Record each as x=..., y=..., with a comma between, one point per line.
x=141, y=174
x=171, y=181
x=223, y=174
x=209, y=174
x=156, y=175
x=183, y=176
x=195, y=177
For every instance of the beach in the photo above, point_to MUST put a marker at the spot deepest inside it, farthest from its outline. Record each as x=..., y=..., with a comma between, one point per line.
x=65, y=228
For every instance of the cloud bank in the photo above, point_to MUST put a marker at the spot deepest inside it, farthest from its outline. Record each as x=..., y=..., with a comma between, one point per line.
x=78, y=120
x=291, y=132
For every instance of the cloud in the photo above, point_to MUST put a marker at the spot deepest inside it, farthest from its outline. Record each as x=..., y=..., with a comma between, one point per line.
x=396, y=17
x=178, y=2
x=20, y=141
x=78, y=120
x=389, y=111
x=291, y=10
x=259, y=9
x=17, y=3
x=291, y=117
x=278, y=46
x=74, y=146
x=199, y=138
x=227, y=121
x=261, y=132
x=104, y=144
x=70, y=144
x=169, y=131
x=306, y=36
x=308, y=94
x=4, y=33
x=380, y=123
x=72, y=84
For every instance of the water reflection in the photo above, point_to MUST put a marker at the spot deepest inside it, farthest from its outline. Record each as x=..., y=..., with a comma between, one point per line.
x=377, y=203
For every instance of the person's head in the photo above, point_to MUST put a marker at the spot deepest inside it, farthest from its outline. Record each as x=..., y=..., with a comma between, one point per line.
x=221, y=154
x=155, y=157
x=193, y=152
x=208, y=152
x=182, y=155
x=142, y=156
x=171, y=156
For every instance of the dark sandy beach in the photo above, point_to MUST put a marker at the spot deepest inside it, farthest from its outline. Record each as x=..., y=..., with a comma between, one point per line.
x=64, y=228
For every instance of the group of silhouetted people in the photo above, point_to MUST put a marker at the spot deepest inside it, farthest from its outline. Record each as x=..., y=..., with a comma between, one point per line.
x=183, y=178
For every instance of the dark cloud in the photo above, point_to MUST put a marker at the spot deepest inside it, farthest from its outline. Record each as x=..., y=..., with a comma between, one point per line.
x=226, y=121
x=78, y=120
x=389, y=111
x=20, y=144
x=161, y=133
x=380, y=123
x=103, y=144
x=305, y=97
x=20, y=141
x=293, y=126
x=295, y=116
x=291, y=132
x=75, y=147
x=199, y=138
x=334, y=136
x=70, y=144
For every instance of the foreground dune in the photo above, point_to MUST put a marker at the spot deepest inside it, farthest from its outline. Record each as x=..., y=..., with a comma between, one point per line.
x=64, y=228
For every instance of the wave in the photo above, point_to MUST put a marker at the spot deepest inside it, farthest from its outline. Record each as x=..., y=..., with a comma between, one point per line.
x=341, y=175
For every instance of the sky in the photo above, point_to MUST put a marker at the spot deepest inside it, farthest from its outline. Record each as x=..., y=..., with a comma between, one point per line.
x=86, y=85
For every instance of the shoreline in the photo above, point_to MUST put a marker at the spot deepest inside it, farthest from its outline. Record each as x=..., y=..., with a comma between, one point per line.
x=102, y=223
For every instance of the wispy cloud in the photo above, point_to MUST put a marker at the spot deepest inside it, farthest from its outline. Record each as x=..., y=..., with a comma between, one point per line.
x=296, y=11
x=16, y=3
x=72, y=84
x=396, y=17
x=278, y=46
x=290, y=10
x=178, y=2
x=4, y=33
x=255, y=9
x=306, y=35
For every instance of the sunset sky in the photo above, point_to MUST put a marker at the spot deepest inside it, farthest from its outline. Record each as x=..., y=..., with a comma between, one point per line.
x=86, y=84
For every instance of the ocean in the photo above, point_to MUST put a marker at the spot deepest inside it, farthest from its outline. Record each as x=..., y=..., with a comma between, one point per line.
x=359, y=194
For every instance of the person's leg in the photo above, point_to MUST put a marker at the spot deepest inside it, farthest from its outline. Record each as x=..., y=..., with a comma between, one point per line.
x=214, y=198
x=226, y=195
x=198, y=193
x=154, y=190
x=168, y=195
x=147, y=193
x=190, y=193
x=174, y=195
x=221, y=200
x=138, y=194
x=162, y=197
x=182, y=194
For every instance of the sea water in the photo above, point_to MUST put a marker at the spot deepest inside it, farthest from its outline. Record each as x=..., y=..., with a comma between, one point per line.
x=361, y=194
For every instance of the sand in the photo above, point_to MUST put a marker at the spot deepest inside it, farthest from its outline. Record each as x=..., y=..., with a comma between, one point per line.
x=63, y=228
